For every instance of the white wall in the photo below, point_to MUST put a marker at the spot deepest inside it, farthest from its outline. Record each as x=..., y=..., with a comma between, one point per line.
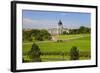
x=5, y=37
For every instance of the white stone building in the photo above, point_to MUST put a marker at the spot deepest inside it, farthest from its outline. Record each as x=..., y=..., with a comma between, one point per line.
x=59, y=30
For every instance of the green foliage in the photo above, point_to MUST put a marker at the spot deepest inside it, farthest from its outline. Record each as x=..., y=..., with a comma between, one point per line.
x=74, y=53
x=59, y=40
x=27, y=36
x=43, y=35
x=74, y=31
x=34, y=53
x=24, y=60
x=83, y=44
x=81, y=30
x=35, y=32
x=64, y=33
x=39, y=35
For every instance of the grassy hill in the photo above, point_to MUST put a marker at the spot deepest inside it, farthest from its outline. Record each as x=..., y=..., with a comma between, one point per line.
x=82, y=41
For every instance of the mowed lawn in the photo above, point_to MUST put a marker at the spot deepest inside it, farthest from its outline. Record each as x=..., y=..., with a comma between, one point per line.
x=64, y=37
x=82, y=43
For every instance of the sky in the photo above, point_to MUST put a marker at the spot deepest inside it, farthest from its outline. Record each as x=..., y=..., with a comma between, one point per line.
x=49, y=19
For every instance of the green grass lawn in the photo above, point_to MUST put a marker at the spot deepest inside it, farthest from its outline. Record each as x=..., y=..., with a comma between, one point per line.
x=62, y=37
x=82, y=43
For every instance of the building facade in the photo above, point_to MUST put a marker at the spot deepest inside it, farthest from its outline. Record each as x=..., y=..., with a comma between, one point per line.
x=59, y=30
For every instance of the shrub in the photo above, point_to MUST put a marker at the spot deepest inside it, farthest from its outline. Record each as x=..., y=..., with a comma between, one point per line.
x=74, y=53
x=24, y=61
x=59, y=40
x=34, y=53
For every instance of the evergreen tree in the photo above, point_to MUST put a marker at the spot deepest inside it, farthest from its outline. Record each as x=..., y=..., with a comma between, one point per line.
x=74, y=53
x=34, y=53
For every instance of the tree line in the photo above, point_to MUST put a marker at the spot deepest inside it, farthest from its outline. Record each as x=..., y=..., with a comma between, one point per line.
x=38, y=35
x=81, y=30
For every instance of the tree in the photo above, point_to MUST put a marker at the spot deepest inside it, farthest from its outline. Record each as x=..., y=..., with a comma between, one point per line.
x=27, y=35
x=83, y=29
x=64, y=32
x=45, y=35
x=34, y=53
x=74, y=53
x=39, y=35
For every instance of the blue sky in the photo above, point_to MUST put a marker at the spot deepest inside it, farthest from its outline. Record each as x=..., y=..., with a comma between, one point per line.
x=49, y=19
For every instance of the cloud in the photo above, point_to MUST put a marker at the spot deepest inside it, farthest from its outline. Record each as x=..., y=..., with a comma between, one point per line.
x=47, y=24
x=38, y=24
